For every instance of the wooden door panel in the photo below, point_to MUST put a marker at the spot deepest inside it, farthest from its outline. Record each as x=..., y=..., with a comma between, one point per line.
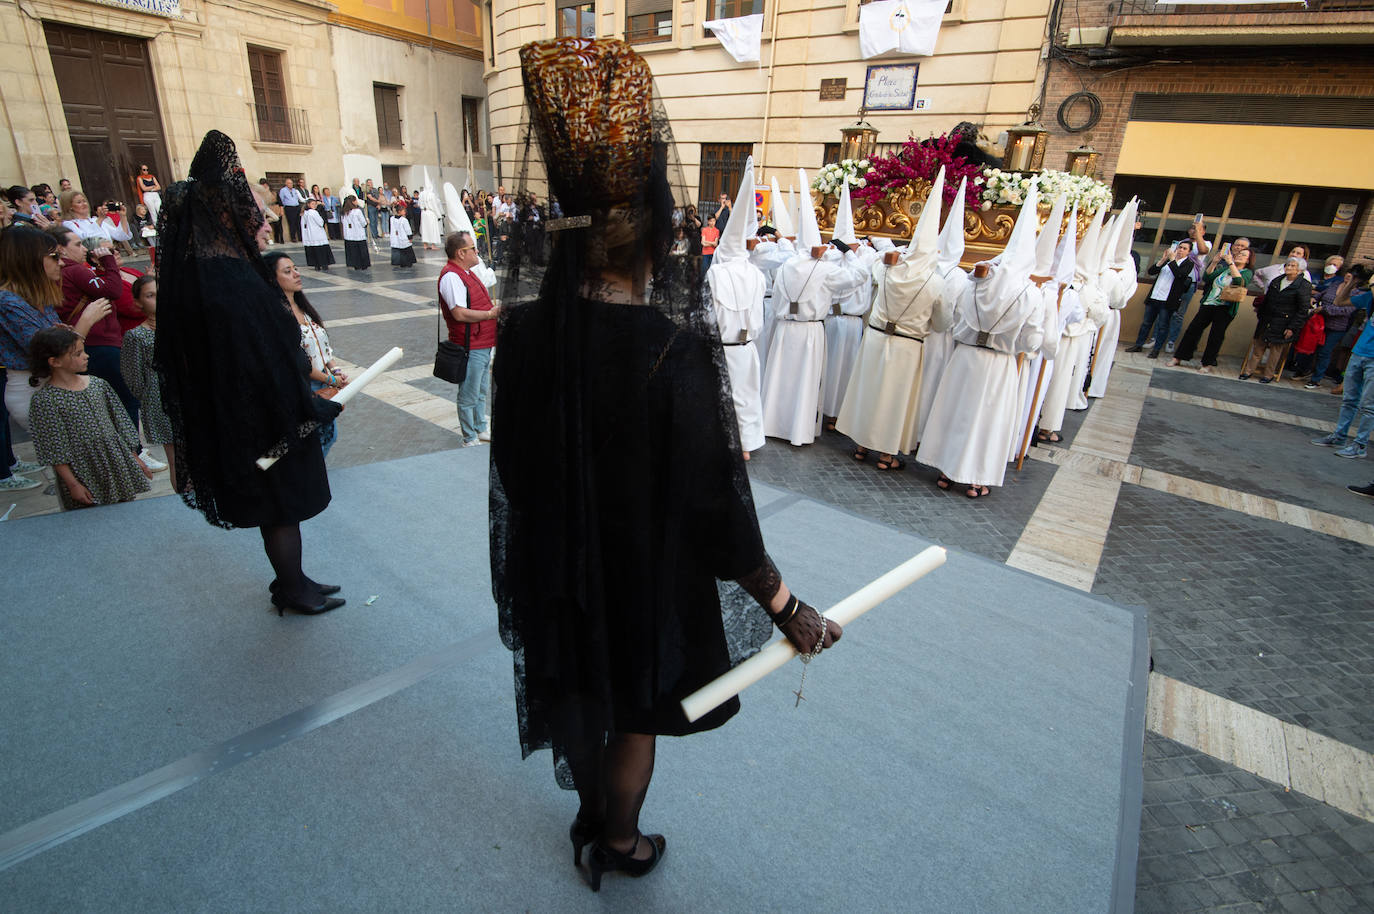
x=109, y=99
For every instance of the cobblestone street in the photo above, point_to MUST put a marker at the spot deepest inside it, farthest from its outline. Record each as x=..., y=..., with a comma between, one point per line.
x=1207, y=505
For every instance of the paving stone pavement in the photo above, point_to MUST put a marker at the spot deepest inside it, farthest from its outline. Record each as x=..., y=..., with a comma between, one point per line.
x=1260, y=456
x=1314, y=404
x=908, y=500
x=1222, y=588
x=1214, y=838
x=1267, y=615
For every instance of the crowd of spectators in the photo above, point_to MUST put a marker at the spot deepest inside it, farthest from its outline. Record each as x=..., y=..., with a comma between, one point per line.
x=1312, y=324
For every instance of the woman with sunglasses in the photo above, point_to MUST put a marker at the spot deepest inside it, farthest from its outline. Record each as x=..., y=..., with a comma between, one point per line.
x=30, y=291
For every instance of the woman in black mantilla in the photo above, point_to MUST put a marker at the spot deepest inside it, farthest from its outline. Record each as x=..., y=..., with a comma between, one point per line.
x=234, y=376
x=618, y=493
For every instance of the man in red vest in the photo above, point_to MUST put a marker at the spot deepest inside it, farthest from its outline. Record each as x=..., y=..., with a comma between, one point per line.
x=471, y=319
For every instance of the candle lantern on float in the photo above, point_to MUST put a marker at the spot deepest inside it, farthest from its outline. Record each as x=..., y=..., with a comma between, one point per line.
x=1026, y=144
x=859, y=139
x=1083, y=161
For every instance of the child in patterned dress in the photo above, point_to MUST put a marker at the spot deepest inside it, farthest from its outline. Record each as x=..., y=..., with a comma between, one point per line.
x=80, y=427
x=136, y=366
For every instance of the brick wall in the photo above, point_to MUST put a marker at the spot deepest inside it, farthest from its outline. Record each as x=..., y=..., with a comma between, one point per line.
x=1345, y=74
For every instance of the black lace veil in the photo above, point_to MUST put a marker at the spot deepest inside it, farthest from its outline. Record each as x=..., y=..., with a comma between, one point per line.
x=227, y=349
x=618, y=490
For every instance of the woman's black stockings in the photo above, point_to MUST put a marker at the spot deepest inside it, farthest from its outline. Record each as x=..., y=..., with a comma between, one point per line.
x=282, y=543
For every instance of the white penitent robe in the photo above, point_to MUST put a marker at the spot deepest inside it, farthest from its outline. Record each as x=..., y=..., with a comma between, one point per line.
x=1074, y=340
x=882, y=406
x=940, y=343
x=844, y=329
x=737, y=302
x=968, y=433
x=1122, y=284
x=768, y=256
x=431, y=232
x=1097, y=313
x=804, y=289
x=1035, y=370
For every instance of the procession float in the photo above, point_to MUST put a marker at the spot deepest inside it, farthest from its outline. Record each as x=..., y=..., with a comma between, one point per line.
x=888, y=192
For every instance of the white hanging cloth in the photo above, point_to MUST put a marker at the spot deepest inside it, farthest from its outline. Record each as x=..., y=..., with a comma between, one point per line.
x=741, y=37
x=906, y=26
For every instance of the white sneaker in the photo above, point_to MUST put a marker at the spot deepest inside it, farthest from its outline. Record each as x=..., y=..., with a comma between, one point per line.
x=151, y=462
x=16, y=482
x=484, y=435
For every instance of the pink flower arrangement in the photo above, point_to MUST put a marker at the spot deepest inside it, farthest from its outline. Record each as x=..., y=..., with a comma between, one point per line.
x=919, y=160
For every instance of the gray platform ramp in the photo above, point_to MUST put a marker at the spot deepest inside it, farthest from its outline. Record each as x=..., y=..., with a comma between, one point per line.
x=170, y=744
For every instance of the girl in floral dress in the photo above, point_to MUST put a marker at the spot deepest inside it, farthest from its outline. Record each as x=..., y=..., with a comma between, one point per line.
x=80, y=427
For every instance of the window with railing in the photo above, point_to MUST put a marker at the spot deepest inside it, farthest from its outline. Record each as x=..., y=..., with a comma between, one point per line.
x=576, y=19
x=648, y=20
x=722, y=167
x=274, y=120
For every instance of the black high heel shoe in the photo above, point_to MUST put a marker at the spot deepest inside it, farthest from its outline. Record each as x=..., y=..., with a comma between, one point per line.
x=582, y=833
x=325, y=589
x=603, y=859
x=305, y=609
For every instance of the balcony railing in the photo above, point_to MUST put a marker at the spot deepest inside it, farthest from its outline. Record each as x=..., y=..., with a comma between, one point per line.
x=280, y=124
x=1297, y=8
x=1148, y=23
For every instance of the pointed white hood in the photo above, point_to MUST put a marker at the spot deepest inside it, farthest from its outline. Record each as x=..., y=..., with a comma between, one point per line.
x=782, y=219
x=1066, y=254
x=732, y=247
x=808, y=231
x=1125, y=235
x=844, y=219
x=952, y=235
x=794, y=209
x=1012, y=268
x=1049, y=239
x=458, y=218
x=923, y=253
x=1107, y=245
x=457, y=215
x=1086, y=267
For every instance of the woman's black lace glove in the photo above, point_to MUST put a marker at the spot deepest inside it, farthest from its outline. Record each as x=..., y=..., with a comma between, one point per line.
x=798, y=622
x=801, y=624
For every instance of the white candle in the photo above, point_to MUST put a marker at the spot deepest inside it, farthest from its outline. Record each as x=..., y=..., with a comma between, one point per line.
x=775, y=656
x=352, y=389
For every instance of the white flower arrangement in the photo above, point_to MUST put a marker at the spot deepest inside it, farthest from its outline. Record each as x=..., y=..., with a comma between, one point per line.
x=833, y=177
x=1002, y=188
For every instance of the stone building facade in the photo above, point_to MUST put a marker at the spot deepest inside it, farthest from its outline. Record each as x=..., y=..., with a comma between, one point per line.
x=92, y=90
x=986, y=69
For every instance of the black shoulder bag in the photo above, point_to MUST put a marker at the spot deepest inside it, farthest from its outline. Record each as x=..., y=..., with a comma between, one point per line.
x=451, y=360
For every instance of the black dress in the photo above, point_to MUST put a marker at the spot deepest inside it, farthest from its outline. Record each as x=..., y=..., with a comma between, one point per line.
x=260, y=406
x=234, y=377
x=618, y=499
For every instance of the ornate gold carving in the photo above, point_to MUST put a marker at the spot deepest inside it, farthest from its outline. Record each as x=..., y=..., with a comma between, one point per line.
x=895, y=216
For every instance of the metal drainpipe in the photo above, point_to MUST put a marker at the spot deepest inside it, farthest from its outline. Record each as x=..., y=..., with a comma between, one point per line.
x=768, y=92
